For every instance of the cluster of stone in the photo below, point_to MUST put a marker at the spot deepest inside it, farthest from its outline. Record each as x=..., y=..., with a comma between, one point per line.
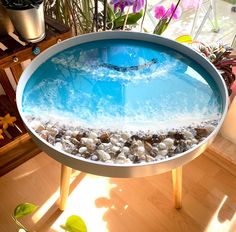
x=121, y=147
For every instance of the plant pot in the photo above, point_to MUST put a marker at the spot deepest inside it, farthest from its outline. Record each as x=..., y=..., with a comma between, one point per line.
x=5, y=22
x=29, y=23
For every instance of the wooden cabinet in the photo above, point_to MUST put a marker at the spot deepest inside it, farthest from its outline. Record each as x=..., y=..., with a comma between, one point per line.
x=15, y=54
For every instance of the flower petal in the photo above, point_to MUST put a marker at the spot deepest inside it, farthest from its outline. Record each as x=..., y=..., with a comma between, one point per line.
x=160, y=11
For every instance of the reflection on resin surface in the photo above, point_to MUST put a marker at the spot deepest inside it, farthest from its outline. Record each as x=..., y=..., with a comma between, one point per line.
x=122, y=84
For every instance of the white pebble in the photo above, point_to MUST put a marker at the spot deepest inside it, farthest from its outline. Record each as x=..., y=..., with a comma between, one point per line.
x=91, y=147
x=125, y=150
x=58, y=146
x=187, y=134
x=140, y=151
x=194, y=141
x=121, y=156
x=93, y=135
x=149, y=158
x=115, y=148
x=75, y=133
x=209, y=128
x=125, y=136
x=101, y=147
x=163, y=152
x=168, y=142
x=68, y=132
x=88, y=142
x=83, y=140
x=121, y=140
x=94, y=157
x=67, y=137
x=82, y=150
x=139, y=143
x=44, y=134
x=53, y=131
x=104, y=156
x=162, y=146
x=37, y=126
x=114, y=141
x=118, y=144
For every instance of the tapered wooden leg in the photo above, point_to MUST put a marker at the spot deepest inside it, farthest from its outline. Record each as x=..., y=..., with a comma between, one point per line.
x=177, y=187
x=64, y=186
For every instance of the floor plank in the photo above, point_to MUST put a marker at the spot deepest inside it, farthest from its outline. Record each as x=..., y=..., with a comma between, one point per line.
x=113, y=204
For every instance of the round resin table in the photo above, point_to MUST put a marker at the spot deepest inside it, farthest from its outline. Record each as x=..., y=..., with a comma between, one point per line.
x=122, y=104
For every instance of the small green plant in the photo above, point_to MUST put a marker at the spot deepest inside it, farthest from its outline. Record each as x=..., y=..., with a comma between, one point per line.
x=73, y=223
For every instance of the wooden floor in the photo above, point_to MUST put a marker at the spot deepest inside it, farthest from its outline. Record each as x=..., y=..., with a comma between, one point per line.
x=117, y=205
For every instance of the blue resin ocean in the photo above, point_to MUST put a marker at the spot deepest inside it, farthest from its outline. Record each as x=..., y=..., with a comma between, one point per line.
x=122, y=84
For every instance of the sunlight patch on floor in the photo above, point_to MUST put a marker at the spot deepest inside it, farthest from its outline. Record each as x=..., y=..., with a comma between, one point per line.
x=45, y=207
x=85, y=200
x=215, y=224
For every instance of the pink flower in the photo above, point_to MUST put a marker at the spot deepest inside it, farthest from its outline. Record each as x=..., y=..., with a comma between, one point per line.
x=160, y=12
x=189, y=4
x=176, y=14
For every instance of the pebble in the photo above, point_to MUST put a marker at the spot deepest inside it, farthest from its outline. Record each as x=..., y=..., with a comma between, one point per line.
x=155, y=150
x=126, y=150
x=162, y=146
x=44, y=134
x=104, y=138
x=194, y=141
x=168, y=142
x=37, y=126
x=104, y=156
x=94, y=157
x=115, y=149
x=58, y=146
x=68, y=132
x=163, y=152
x=82, y=150
x=209, y=128
x=93, y=135
x=187, y=134
x=125, y=136
x=149, y=158
x=119, y=146
x=91, y=147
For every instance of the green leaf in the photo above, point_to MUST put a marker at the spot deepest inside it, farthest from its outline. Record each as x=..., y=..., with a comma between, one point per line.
x=132, y=19
x=74, y=223
x=161, y=26
x=110, y=14
x=24, y=209
x=184, y=39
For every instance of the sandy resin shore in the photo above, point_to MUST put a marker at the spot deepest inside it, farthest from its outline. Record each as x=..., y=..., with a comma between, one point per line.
x=120, y=147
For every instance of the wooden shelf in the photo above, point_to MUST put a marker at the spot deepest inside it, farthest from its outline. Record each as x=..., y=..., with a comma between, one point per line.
x=13, y=52
x=17, y=152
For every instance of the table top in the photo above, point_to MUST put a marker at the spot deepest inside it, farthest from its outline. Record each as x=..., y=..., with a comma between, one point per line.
x=117, y=85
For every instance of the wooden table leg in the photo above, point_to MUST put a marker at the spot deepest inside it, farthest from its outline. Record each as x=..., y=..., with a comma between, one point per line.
x=177, y=187
x=64, y=185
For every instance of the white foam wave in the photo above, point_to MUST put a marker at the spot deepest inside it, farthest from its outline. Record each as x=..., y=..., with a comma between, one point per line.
x=126, y=123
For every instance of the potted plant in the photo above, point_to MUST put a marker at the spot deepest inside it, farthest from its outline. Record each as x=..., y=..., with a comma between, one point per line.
x=27, y=17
